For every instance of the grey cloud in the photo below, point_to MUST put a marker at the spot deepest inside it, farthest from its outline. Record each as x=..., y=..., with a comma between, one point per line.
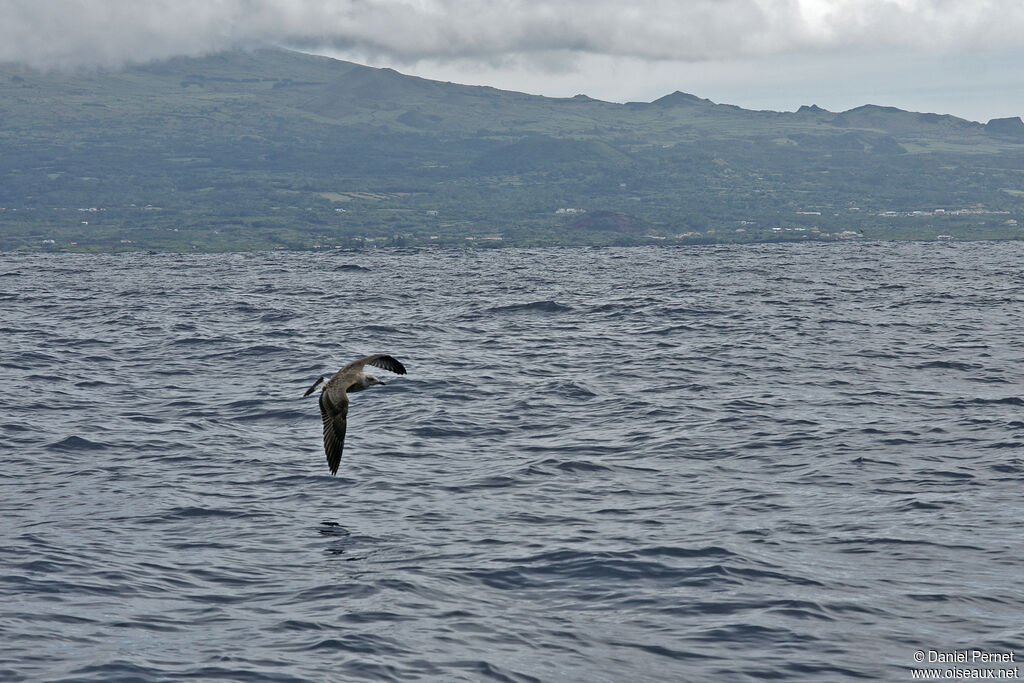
x=86, y=33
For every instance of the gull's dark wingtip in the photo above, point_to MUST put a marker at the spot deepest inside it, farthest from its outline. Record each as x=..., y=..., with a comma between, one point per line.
x=333, y=448
x=333, y=456
x=313, y=388
x=391, y=364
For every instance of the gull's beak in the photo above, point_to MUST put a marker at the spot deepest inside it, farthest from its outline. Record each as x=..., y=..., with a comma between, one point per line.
x=383, y=383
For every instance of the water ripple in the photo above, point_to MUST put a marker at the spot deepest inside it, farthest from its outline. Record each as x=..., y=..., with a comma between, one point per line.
x=792, y=462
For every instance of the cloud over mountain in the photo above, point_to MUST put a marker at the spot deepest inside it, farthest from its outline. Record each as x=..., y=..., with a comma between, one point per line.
x=83, y=33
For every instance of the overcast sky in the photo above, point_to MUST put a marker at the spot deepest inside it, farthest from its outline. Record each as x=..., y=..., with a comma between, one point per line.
x=962, y=57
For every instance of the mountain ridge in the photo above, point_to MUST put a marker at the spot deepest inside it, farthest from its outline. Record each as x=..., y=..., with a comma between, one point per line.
x=274, y=148
x=674, y=98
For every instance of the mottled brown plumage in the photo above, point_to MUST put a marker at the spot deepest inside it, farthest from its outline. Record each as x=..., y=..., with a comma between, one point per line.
x=334, y=399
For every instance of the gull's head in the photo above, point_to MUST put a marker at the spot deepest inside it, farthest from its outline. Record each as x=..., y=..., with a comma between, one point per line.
x=371, y=380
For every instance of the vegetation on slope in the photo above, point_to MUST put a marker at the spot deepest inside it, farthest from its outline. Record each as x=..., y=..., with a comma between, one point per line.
x=277, y=149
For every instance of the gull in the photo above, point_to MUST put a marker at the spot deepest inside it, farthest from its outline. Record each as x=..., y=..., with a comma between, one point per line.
x=334, y=399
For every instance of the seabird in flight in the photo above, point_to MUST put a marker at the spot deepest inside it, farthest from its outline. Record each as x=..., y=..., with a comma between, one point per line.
x=334, y=399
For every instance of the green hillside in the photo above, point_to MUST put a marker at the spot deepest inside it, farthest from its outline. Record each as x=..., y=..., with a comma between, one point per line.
x=273, y=148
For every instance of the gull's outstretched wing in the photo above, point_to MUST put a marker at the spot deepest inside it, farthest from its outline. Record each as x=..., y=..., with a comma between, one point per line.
x=335, y=417
x=378, y=360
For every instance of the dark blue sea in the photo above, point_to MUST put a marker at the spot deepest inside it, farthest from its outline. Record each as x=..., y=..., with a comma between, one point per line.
x=724, y=463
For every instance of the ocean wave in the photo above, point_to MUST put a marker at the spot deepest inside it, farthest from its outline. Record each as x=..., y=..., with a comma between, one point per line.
x=621, y=464
x=546, y=306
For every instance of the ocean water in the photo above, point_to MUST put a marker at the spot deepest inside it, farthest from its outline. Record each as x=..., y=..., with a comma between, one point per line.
x=743, y=463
